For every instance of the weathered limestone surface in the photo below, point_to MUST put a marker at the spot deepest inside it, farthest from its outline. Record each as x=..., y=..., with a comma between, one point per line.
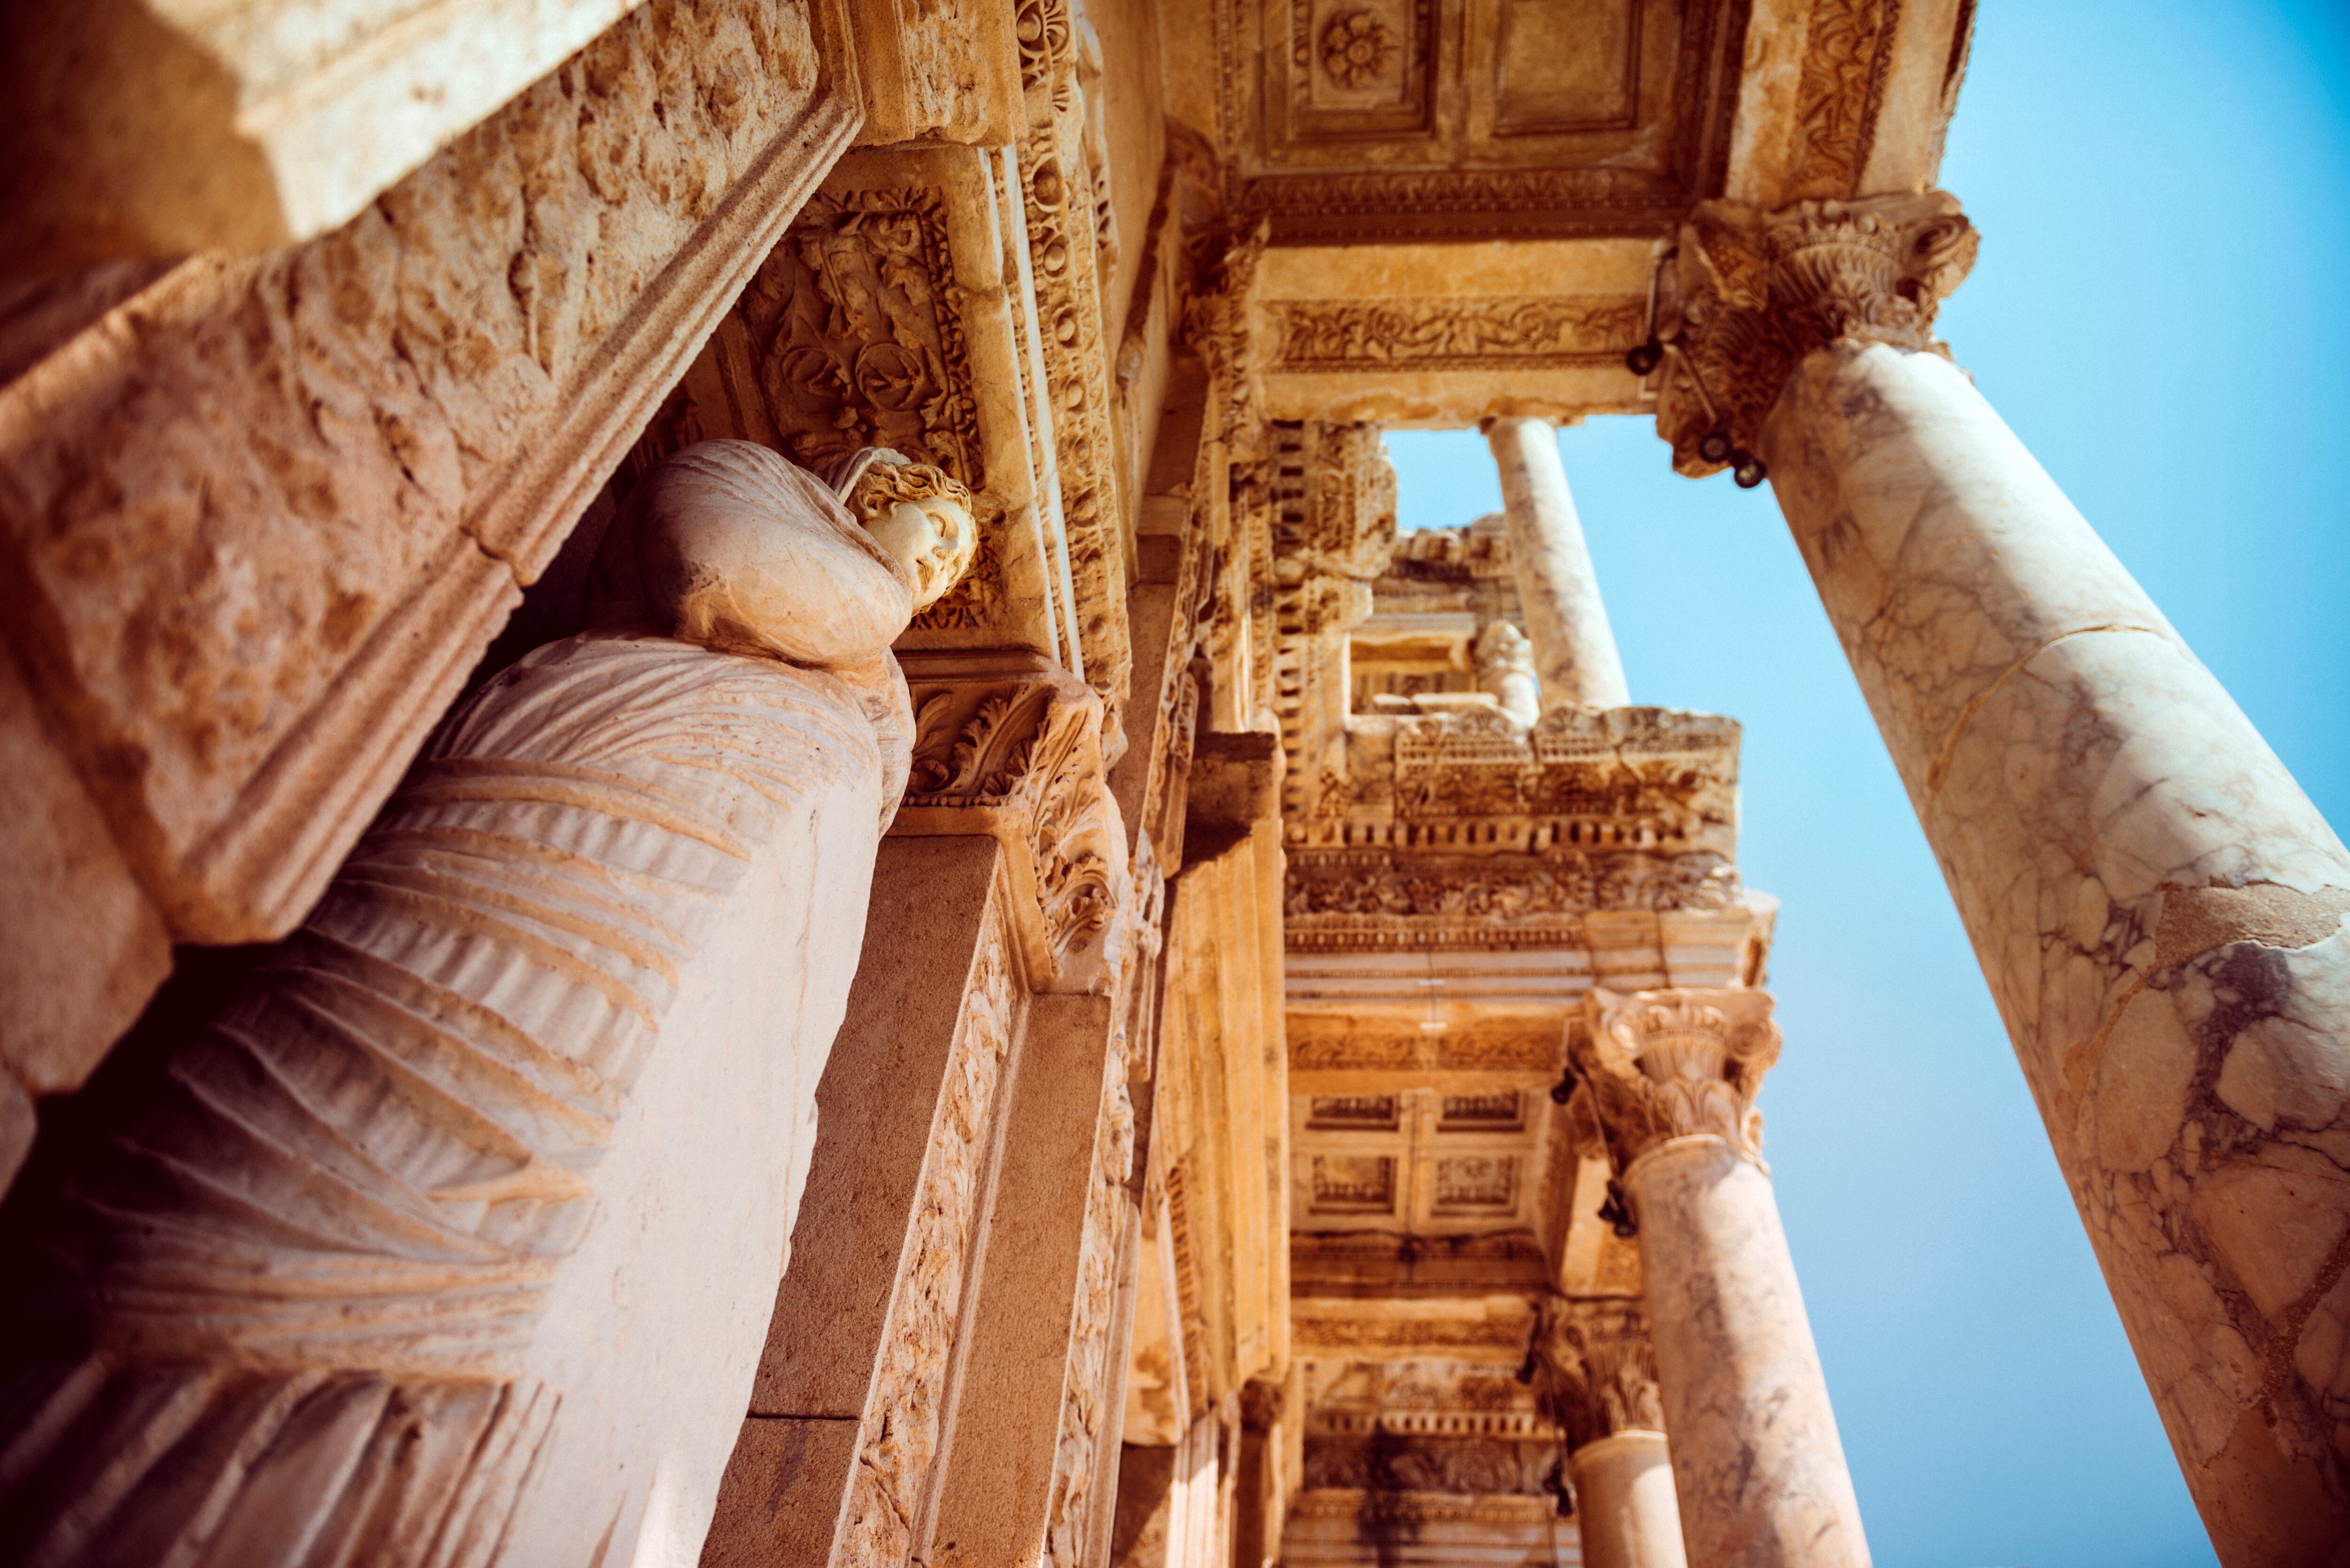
x=1756, y=1460
x=156, y=127
x=261, y=515
x=457, y=1229
x=2155, y=904
x=1566, y=620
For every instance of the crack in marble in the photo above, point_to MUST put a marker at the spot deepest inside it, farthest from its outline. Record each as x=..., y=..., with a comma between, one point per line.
x=1943, y=754
x=2276, y=1366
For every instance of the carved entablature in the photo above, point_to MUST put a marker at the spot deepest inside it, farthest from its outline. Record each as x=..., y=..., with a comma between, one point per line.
x=1663, y=1065
x=1480, y=780
x=1013, y=748
x=1754, y=292
x=1594, y=1371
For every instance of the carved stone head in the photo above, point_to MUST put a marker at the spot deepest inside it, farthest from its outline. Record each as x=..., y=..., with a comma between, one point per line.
x=919, y=513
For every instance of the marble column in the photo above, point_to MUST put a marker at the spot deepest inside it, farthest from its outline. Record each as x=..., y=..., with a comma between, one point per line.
x=2155, y=904
x=1575, y=649
x=1595, y=1377
x=1756, y=1461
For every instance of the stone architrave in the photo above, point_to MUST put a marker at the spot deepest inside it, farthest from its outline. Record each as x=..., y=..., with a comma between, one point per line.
x=1566, y=620
x=1595, y=1378
x=468, y=1212
x=315, y=478
x=2155, y=904
x=1756, y=1460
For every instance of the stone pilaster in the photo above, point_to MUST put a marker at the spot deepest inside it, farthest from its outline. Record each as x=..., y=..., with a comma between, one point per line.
x=1756, y=1461
x=2155, y=904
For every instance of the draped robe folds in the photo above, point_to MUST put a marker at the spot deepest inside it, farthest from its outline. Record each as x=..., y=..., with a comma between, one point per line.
x=453, y=1240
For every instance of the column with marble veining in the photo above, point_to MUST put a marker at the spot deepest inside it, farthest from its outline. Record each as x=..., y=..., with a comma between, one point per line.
x=2155, y=904
x=1595, y=1378
x=1756, y=1461
x=1574, y=648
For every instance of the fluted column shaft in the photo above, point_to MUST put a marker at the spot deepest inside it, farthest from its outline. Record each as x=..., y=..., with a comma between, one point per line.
x=1756, y=1461
x=2156, y=905
x=1566, y=622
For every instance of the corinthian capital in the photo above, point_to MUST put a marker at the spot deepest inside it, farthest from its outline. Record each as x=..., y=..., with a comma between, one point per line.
x=1595, y=1372
x=1750, y=292
x=1668, y=1063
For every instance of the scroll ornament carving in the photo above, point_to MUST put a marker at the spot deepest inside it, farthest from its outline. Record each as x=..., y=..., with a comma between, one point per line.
x=1754, y=292
x=1453, y=334
x=898, y=1436
x=859, y=335
x=1664, y=1065
x=1062, y=204
x=1594, y=1371
x=1024, y=756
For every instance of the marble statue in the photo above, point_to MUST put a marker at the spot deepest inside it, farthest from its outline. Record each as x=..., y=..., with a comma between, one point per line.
x=454, y=1237
x=1505, y=669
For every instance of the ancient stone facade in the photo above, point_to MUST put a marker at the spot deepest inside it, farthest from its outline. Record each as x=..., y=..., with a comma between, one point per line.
x=738, y=829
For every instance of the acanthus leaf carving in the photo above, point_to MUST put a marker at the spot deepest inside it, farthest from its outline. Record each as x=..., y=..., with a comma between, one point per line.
x=1754, y=292
x=1663, y=1065
x=1019, y=756
x=1847, y=57
x=1595, y=1370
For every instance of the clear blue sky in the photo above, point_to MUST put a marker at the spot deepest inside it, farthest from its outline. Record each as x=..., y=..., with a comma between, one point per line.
x=2164, y=193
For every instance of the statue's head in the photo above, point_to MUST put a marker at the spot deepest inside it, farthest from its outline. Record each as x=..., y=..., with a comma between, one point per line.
x=919, y=513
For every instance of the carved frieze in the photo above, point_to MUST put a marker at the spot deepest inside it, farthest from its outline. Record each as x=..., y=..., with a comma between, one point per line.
x=1437, y=334
x=1594, y=1371
x=1478, y=1467
x=1355, y=1046
x=1663, y=1065
x=1754, y=292
x=1848, y=58
x=1016, y=752
x=1355, y=898
x=346, y=454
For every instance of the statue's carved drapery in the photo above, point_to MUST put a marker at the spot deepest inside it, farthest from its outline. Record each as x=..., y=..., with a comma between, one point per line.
x=346, y=1280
